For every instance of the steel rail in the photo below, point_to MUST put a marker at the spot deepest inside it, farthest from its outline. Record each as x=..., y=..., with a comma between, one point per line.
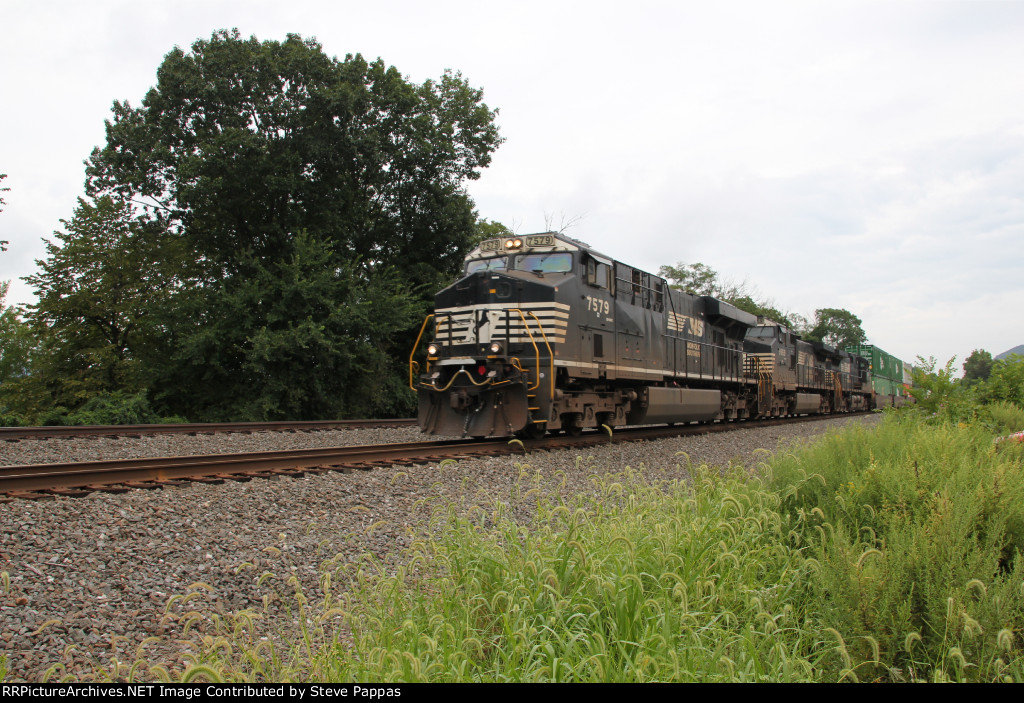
x=35, y=477
x=20, y=480
x=18, y=433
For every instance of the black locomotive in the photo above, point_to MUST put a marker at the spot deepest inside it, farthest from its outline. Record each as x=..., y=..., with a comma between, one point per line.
x=542, y=333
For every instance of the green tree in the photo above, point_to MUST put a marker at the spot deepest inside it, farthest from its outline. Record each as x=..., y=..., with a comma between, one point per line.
x=762, y=309
x=977, y=367
x=701, y=279
x=16, y=341
x=1005, y=382
x=242, y=145
x=100, y=294
x=935, y=389
x=837, y=327
x=489, y=229
x=312, y=338
x=697, y=279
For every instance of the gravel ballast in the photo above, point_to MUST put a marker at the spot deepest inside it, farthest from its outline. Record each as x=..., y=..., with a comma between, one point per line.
x=96, y=578
x=68, y=449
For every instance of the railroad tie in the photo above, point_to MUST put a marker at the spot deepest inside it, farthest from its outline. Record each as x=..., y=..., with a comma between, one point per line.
x=67, y=492
x=113, y=488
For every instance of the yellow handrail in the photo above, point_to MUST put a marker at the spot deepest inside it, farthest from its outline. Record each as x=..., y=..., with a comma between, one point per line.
x=536, y=351
x=413, y=365
x=485, y=382
x=414, y=348
x=551, y=356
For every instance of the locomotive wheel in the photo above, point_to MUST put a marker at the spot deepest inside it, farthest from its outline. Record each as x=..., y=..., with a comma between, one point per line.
x=533, y=430
x=571, y=426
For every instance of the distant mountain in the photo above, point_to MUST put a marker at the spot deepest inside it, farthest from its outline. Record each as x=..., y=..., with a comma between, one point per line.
x=1019, y=349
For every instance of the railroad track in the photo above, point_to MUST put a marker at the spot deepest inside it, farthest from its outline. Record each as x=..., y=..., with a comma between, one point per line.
x=12, y=434
x=81, y=478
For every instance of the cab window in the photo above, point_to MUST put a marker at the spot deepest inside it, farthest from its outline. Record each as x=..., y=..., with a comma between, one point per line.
x=557, y=262
x=493, y=264
x=600, y=275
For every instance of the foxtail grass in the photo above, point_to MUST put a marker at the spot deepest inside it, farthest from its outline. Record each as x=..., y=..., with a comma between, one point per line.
x=918, y=528
x=888, y=554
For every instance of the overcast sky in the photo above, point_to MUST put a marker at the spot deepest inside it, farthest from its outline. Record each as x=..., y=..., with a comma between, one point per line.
x=860, y=155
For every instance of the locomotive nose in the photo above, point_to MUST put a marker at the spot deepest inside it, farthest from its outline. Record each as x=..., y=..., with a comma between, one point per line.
x=482, y=287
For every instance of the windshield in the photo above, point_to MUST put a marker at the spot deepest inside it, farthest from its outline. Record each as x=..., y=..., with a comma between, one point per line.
x=558, y=262
x=554, y=262
x=499, y=262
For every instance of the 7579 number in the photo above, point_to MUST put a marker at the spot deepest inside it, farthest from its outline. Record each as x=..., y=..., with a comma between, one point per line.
x=598, y=306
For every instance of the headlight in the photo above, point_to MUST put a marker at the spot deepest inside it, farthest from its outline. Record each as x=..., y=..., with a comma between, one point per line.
x=433, y=349
x=495, y=348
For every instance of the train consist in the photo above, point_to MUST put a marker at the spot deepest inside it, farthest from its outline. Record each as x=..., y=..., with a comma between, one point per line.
x=544, y=334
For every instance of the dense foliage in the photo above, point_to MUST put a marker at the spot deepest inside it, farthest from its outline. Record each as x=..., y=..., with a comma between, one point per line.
x=102, y=292
x=16, y=350
x=264, y=234
x=937, y=393
x=837, y=327
x=977, y=366
x=242, y=144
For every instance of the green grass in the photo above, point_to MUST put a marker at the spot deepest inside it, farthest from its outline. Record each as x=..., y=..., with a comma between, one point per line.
x=886, y=554
x=642, y=581
x=918, y=530
x=1004, y=417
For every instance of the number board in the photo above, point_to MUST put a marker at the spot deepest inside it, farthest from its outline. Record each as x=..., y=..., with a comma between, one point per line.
x=539, y=240
x=490, y=245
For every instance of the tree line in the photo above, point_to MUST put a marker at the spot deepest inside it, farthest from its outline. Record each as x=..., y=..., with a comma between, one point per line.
x=834, y=326
x=260, y=239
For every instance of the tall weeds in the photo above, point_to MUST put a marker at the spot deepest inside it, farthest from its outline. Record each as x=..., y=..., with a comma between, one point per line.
x=918, y=529
x=642, y=581
x=887, y=554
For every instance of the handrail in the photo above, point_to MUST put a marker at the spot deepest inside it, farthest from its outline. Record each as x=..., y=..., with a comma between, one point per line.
x=415, y=347
x=414, y=365
x=485, y=382
x=536, y=351
x=551, y=356
x=765, y=382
